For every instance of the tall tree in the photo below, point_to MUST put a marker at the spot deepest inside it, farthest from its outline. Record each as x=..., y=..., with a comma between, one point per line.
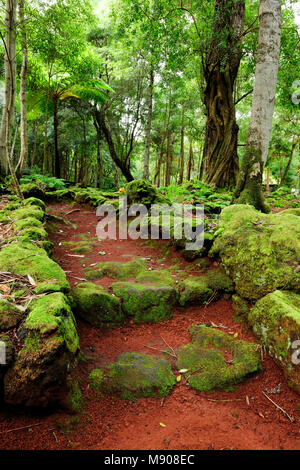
x=220, y=69
x=249, y=186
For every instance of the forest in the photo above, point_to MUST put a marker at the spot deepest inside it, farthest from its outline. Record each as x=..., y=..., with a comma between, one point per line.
x=117, y=340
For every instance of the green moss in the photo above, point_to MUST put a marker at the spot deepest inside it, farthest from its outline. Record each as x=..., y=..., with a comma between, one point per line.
x=115, y=270
x=156, y=277
x=33, y=201
x=34, y=233
x=32, y=190
x=76, y=398
x=240, y=307
x=142, y=192
x=26, y=212
x=10, y=316
x=206, y=364
x=25, y=223
x=95, y=305
x=133, y=376
x=146, y=303
x=269, y=261
x=25, y=258
x=31, y=343
x=52, y=315
x=217, y=280
x=194, y=290
x=276, y=321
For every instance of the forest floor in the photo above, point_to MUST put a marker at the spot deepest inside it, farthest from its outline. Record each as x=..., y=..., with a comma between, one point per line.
x=243, y=419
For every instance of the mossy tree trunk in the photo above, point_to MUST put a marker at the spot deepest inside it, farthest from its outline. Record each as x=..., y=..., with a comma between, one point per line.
x=220, y=71
x=249, y=186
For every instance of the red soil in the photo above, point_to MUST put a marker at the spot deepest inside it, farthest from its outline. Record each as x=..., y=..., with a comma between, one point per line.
x=242, y=419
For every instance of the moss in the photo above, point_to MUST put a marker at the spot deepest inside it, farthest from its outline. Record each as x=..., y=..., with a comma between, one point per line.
x=270, y=260
x=146, y=303
x=95, y=379
x=10, y=316
x=241, y=308
x=95, y=305
x=194, y=290
x=142, y=192
x=218, y=280
x=206, y=364
x=115, y=270
x=76, y=398
x=156, y=277
x=80, y=247
x=31, y=343
x=25, y=223
x=34, y=233
x=26, y=212
x=25, y=258
x=32, y=190
x=52, y=315
x=133, y=376
x=276, y=321
x=33, y=201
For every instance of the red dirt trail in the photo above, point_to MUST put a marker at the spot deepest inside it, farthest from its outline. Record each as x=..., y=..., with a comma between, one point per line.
x=240, y=420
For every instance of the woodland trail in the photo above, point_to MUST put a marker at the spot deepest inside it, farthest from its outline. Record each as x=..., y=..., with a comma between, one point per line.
x=238, y=420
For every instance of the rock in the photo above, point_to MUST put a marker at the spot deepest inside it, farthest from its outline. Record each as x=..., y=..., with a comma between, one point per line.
x=155, y=277
x=218, y=280
x=42, y=372
x=276, y=321
x=193, y=291
x=142, y=192
x=33, y=201
x=32, y=190
x=240, y=307
x=116, y=270
x=260, y=252
x=10, y=316
x=25, y=258
x=144, y=302
x=96, y=306
x=207, y=363
x=134, y=375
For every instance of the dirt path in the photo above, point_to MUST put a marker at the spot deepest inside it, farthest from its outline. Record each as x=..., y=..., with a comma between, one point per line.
x=242, y=419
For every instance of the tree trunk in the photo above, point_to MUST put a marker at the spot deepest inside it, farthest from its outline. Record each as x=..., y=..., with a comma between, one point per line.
x=23, y=86
x=249, y=187
x=57, y=166
x=190, y=162
x=169, y=160
x=220, y=72
x=148, y=126
x=123, y=165
x=10, y=69
x=284, y=176
x=181, y=148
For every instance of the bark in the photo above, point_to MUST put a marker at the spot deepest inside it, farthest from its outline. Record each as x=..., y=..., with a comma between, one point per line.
x=148, y=126
x=23, y=85
x=122, y=164
x=57, y=165
x=249, y=186
x=33, y=156
x=169, y=159
x=10, y=69
x=190, y=162
x=181, y=148
x=284, y=176
x=220, y=72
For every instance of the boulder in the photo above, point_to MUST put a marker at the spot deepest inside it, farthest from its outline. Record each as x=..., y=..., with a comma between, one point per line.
x=146, y=302
x=276, y=321
x=42, y=372
x=10, y=316
x=95, y=305
x=134, y=375
x=217, y=361
x=260, y=252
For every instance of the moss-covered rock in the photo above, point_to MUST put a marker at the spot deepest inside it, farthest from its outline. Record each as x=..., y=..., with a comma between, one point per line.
x=157, y=276
x=218, y=280
x=26, y=258
x=32, y=190
x=96, y=306
x=142, y=192
x=145, y=302
x=241, y=308
x=276, y=321
x=41, y=374
x=33, y=201
x=10, y=316
x=260, y=252
x=25, y=223
x=27, y=212
x=216, y=360
x=133, y=376
x=194, y=291
x=116, y=270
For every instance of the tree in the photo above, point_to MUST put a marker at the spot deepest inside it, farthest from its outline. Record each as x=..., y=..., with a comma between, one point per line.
x=221, y=67
x=249, y=186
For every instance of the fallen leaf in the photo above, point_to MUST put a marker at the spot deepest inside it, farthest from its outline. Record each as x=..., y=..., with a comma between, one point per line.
x=183, y=371
x=178, y=378
x=162, y=425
